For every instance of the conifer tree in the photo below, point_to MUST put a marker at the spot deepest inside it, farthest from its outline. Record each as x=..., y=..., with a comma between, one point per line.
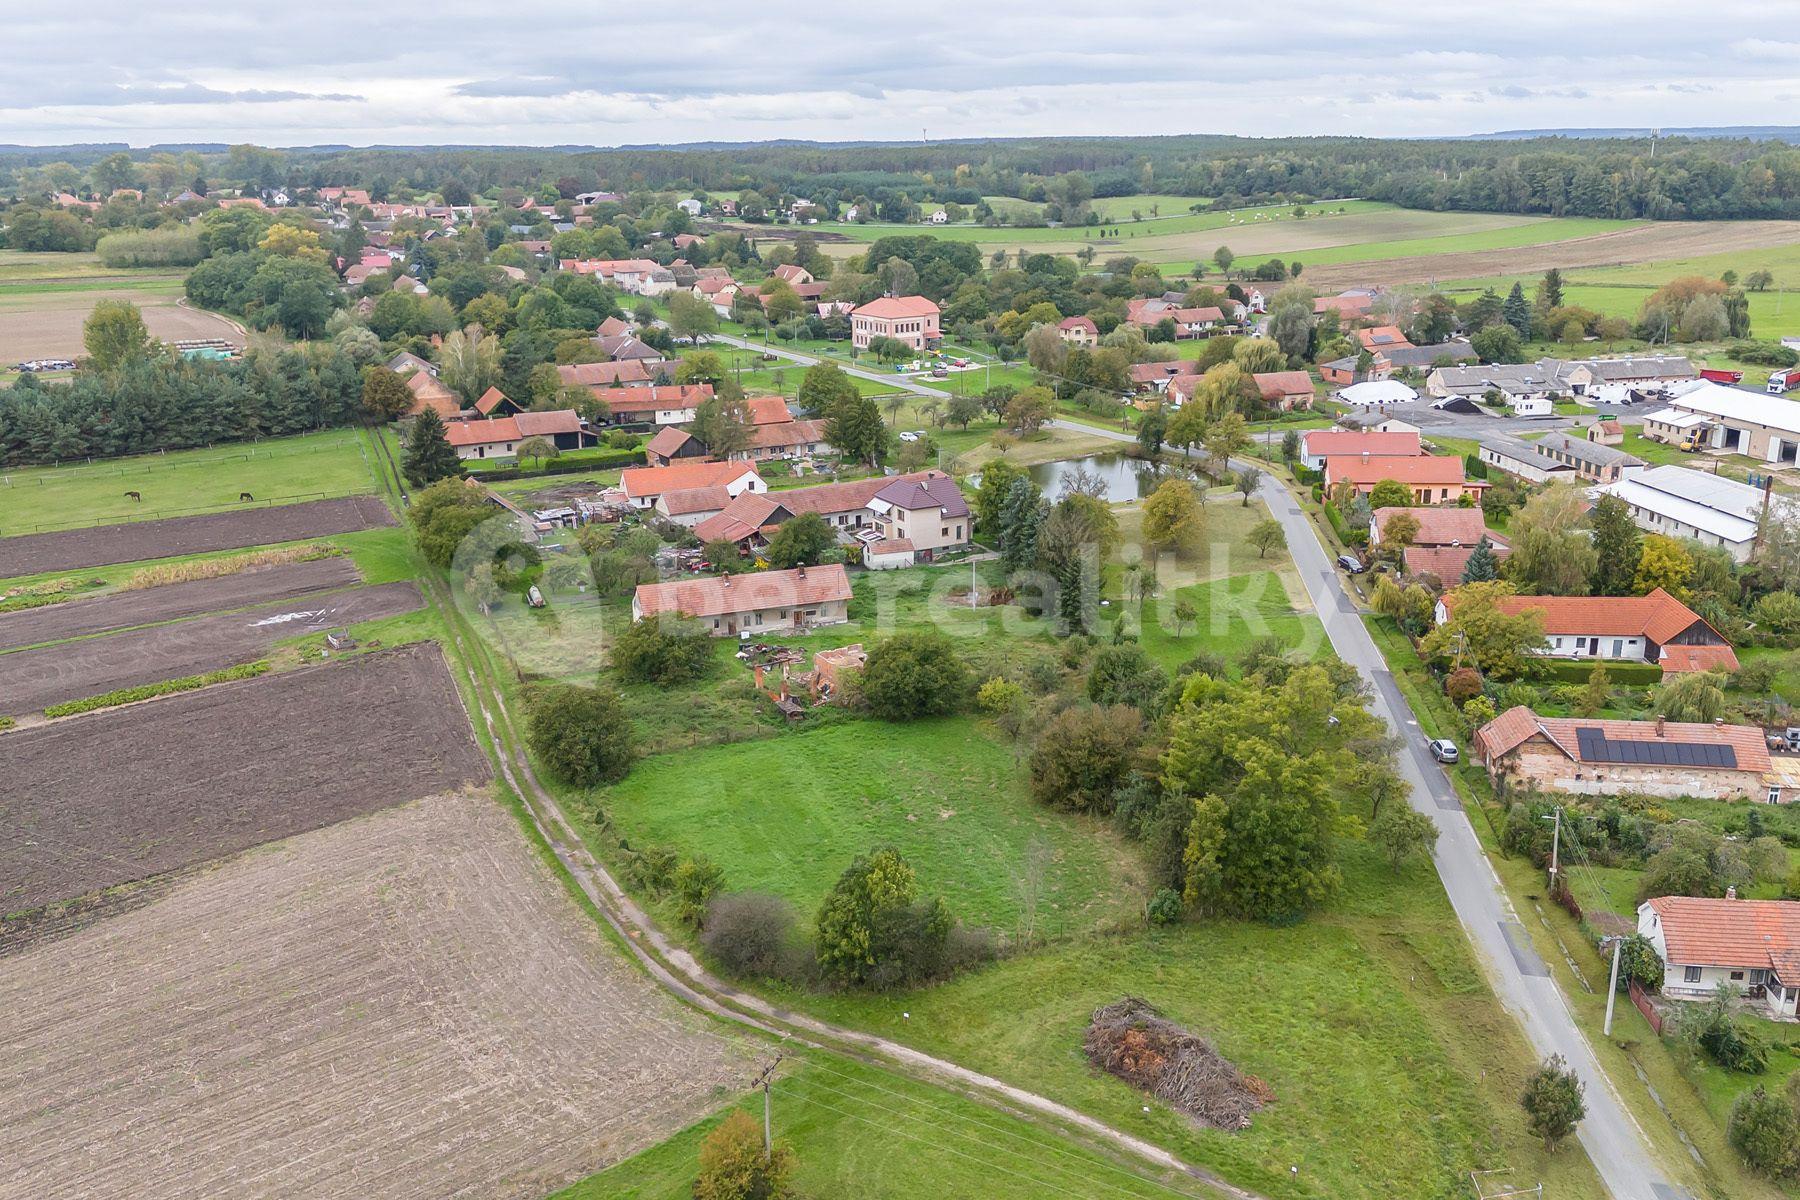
x=429, y=457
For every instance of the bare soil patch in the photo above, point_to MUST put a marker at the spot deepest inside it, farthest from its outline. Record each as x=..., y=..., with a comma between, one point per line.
x=110, y=797
x=51, y=326
x=103, y=545
x=31, y=679
x=403, y=1005
x=1648, y=243
x=125, y=610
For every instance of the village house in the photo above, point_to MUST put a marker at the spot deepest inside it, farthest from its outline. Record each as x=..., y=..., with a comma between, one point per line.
x=633, y=373
x=748, y=522
x=1432, y=479
x=1351, y=306
x=1686, y=503
x=1743, y=422
x=1445, y=539
x=688, y=507
x=642, y=485
x=792, y=274
x=843, y=506
x=718, y=292
x=1590, y=460
x=626, y=347
x=1592, y=757
x=768, y=410
x=498, y=438
x=562, y=427
x=757, y=602
x=1752, y=946
x=1382, y=338
x=786, y=439
x=1079, y=331
x=1390, y=358
x=1285, y=390
x=909, y=319
x=1316, y=445
x=1656, y=628
x=429, y=392
x=1155, y=376
x=638, y=276
x=1606, y=433
x=915, y=521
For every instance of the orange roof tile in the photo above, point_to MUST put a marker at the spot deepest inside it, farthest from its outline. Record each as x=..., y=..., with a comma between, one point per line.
x=1515, y=726
x=1430, y=469
x=891, y=307
x=482, y=433
x=1658, y=616
x=1278, y=385
x=1708, y=932
x=1351, y=441
x=1676, y=659
x=717, y=595
x=640, y=482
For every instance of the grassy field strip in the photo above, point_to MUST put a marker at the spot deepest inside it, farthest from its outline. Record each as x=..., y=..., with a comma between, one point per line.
x=1534, y=231
x=1178, y=223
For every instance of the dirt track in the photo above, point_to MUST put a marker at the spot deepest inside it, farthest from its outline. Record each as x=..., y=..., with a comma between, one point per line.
x=1647, y=243
x=403, y=1005
x=171, y=602
x=97, y=800
x=31, y=679
x=104, y=545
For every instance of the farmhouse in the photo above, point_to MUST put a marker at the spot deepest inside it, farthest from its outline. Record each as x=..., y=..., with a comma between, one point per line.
x=1743, y=422
x=1656, y=628
x=768, y=410
x=1155, y=376
x=1444, y=542
x=909, y=319
x=1589, y=459
x=843, y=506
x=1285, y=390
x=562, y=427
x=690, y=506
x=498, y=438
x=644, y=484
x=1079, y=331
x=1350, y=306
x=1693, y=504
x=625, y=347
x=758, y=602
x=916, y=520
x=631, y=373
x=1319, y=444
x=1592, y=757
x=1432, y=479
x=750, y=519
x=1383, y=338
x=676, y=405
x=1751, y=945
x=788, y=439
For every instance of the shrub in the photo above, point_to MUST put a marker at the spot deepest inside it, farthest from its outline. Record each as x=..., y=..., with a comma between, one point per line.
x=751, y=934
x=1462, y=685
x=915, y=674
x=874, y=929
x=663, y=650
x=1763, y=1130
x=732, y=1166
x=1552, y=1101
x=1164, y=907
x=694, y=882
x=580, y=735
x=1638, y=963
x=1084, y=756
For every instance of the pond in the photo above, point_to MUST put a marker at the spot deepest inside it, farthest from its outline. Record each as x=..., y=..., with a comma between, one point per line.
x=1124, y=479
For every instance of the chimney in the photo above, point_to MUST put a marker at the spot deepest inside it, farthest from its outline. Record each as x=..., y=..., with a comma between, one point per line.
x=1731, y=892
x=801, y=572
x=1659, y=727
x=1718, y=722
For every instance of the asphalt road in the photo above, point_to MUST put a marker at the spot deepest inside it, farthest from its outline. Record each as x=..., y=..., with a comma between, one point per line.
x=1614, y=1141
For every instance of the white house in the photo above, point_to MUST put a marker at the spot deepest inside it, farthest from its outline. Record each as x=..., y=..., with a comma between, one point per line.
x=690, y=206
x=644, y=485
x=1752, y=946
x=940, y=217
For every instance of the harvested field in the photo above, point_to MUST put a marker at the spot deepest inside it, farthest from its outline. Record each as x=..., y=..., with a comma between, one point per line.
x=103, y=799
x=125, y=610
x=402, y=1005
x=104, y=545
x=32, y=679
x=48, y=324
x=1642, y=244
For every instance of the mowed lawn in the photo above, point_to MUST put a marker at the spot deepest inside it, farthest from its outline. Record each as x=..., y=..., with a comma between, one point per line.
x=786, y=815
x=182, y=482
x=1395, y=1070
x=860, y=1131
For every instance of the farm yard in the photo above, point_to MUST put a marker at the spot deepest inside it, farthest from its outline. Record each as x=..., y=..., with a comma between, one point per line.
x=33, y=678
x=312, y=465
x=231, y=767
x=105, y=545
x=403, y=1004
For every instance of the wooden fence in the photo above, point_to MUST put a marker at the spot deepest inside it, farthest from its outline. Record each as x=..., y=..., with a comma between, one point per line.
x=1641, y=998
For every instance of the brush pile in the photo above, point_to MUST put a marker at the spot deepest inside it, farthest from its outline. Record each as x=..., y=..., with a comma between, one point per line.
x=1132, y=1040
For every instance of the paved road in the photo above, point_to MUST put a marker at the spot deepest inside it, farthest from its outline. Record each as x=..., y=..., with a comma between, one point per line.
x=896, y=381
x=1616, y=1144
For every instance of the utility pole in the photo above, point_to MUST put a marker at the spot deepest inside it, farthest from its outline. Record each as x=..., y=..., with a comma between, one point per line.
x=764, y=1080
x=1555, y=845
x=1612, y=987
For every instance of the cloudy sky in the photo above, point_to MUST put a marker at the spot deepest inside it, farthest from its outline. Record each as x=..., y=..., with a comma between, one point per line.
x=596, y=72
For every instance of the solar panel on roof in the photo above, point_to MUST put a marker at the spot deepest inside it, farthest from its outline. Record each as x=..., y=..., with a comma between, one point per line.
x=1597, y=747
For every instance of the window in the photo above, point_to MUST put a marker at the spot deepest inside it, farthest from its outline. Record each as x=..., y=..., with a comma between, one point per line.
x=1737, y=977
x=1618, y=648
x=1690, y=975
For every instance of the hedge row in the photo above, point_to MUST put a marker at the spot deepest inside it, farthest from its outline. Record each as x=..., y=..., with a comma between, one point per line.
x=166, y=687
x=569, y=464
x=1620, y=673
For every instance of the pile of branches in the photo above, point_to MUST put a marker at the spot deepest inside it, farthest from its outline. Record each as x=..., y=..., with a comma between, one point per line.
x=1132, y=1040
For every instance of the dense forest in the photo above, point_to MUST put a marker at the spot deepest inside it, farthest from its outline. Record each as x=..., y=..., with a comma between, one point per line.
x=1693, y=178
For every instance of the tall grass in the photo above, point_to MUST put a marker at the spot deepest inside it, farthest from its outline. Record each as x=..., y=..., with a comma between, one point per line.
x=213, y=568
x=172, y=246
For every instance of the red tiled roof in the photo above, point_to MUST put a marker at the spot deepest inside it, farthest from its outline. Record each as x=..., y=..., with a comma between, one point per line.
x=1677, y=659
x=853, y=494
x=785, y=435
x=1352, y=441
x=891, y=307
x=1517, y=725
x=687, y=501
x=648, y=399
x=548, y=424
x=768, y=410
x=607, y=373
x=1152, y=372
x=1658, y=616
x=1446, y=562
x=1278, y=385
x=429, y=393
x=612, y=327
x=482, y=433
x=1441, y=526
x=668, y=441
x=1707, y=932
x=639, y=482
x=745, y=515
x=1084, y=323
x=490, y=400
x=717, y=595
x=1429, y=469
x=1382, y=337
